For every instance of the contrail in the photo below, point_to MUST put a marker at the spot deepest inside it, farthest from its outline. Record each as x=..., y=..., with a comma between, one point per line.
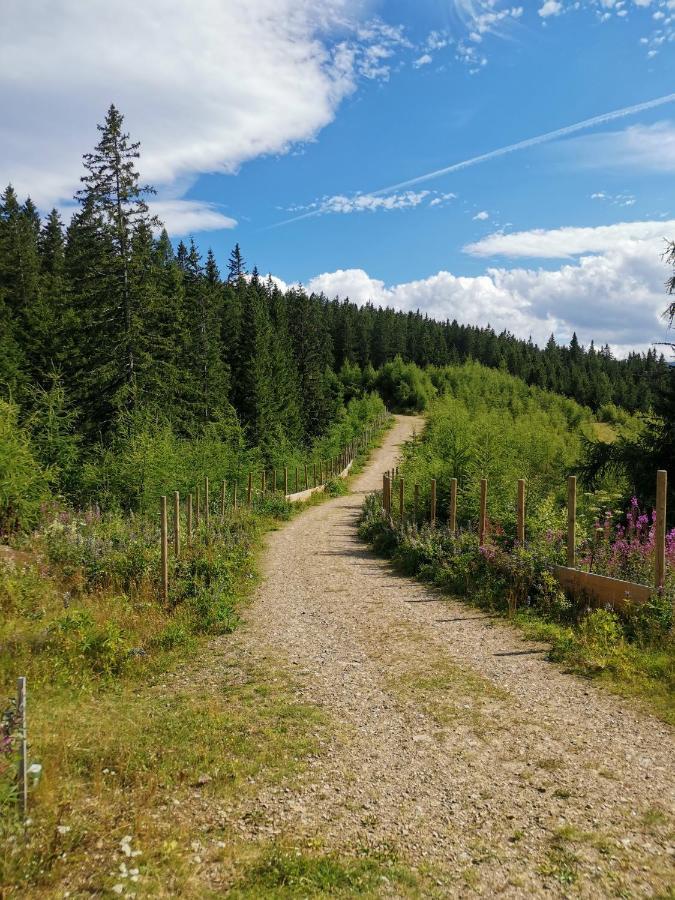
x=511, y=148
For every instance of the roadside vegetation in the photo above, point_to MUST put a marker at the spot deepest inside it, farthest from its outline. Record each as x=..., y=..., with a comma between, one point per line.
x=490, y=425
x=118, y=730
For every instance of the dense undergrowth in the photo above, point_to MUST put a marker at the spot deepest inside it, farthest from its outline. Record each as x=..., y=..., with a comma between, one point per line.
x=492, y=425
x=82, y=618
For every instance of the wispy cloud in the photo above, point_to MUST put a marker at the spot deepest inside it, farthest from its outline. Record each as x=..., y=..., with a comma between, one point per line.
x=481, y=216
x=547, y=137
x=356, y=203
x=643, y=148
x=181, y=217
x=614, y=199
x=658, y=17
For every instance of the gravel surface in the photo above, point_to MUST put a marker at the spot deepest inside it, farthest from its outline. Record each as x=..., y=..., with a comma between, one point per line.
x=455, y=743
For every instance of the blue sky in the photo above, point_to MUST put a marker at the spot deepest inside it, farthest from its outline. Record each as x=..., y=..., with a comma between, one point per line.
x=276, y=123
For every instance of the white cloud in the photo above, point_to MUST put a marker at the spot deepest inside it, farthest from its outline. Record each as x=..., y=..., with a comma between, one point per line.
x=181, y=217
x=614, y=199
x=614, y=298
x=423, y=60
x=343, y=203
x=204, y=90
x=481, y=216
x=550, y=8
x=568, y=242
x=644, y=148
x=642, y=17
x=442, y=199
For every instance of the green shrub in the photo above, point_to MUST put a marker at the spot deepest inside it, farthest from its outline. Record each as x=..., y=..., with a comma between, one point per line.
x=24, y=484
x=404, y=386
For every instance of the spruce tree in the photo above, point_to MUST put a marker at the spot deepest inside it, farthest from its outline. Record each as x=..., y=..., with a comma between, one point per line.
x=116, y=204
x=24, y=320
x=236, y=267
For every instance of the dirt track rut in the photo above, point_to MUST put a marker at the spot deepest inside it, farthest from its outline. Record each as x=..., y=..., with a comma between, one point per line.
x=455, y=742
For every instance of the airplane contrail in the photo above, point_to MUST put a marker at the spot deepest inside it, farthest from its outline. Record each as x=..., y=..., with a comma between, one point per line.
x=510, y=148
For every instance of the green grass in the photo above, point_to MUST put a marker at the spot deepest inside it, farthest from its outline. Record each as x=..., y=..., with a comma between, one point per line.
x=282, y=872
x=643, y=673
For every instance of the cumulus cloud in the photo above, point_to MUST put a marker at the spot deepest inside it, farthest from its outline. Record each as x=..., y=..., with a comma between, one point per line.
x=568, y=242
x=550, y=8
x=616, y=298
x=204, y=91
x=481, y=216
x=612, y=292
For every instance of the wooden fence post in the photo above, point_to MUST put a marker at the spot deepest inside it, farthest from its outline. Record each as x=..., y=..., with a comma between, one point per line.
x=521, y=512
x=314, y=473
x=198, y=504
x=207, y=511
x=263, y=482
x=249, y=497
x=432, y=512
x=188, y=521
x=164, y=530
x=297, y=481
x=453, y=506
x=571, y=521
x=176, y=523
x=660, y=531
x=384, y=492
x=274, y=480
x=482, y=522
x=234, y=494
x=401, y=498
x=22, y=773
x=285, y=481
x=223, y=499
x=306, y=480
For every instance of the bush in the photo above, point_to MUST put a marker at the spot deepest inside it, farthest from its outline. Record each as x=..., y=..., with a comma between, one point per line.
x=404, y=387
x=24, y=484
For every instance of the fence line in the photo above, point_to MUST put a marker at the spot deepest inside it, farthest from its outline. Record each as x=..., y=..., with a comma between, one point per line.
x=600, y=587
x=335, y=466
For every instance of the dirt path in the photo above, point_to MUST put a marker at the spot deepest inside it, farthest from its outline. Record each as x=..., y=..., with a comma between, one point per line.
x=456, y=744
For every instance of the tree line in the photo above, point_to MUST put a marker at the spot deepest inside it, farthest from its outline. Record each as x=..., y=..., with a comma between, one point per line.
x=105, y=323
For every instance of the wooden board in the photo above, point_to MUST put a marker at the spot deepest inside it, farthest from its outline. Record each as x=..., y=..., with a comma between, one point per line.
x=602, y=589
x=301, y=496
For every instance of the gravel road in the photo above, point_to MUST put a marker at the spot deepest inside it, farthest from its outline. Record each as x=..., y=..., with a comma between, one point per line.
x=455, y=742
